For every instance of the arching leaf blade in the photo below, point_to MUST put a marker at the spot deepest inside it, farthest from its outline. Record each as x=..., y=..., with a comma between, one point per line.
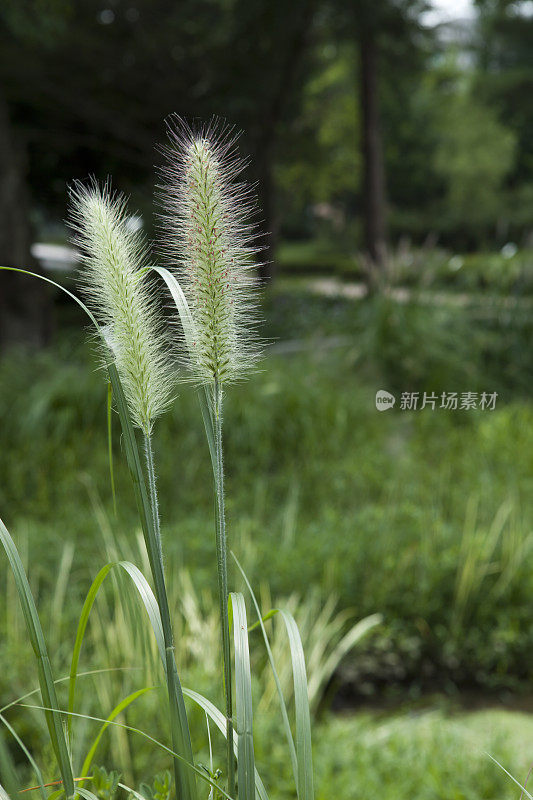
x=44, y=669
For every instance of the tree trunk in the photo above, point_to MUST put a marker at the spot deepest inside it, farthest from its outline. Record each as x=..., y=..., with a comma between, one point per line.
x=24, y=302
x=372, y=150
x=265, y=152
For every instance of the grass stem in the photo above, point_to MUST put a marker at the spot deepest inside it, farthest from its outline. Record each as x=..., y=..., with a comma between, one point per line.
x=179, y=732
x=222, y=569
x=152, y=488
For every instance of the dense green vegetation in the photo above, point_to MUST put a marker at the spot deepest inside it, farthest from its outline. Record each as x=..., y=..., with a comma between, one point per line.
x=421, y=516
x=423, y=755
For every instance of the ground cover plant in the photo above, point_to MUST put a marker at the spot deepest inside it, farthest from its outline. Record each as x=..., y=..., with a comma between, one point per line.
x=430, y=749
x=210, y=244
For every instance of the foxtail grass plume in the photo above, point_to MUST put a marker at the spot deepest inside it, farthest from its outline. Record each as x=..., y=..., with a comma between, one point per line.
x=209, y=242
x=114, y=282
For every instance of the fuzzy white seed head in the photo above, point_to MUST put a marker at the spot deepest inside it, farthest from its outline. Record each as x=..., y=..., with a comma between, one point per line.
x=116, y=288
x=209, y=243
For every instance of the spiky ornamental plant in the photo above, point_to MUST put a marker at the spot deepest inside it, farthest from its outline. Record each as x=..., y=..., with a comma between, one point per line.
x=209, y=244
x=114, y=281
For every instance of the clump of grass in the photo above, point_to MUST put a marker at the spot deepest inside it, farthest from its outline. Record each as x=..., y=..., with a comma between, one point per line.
x=209, y=244
x=113, y=281
x=221, y=347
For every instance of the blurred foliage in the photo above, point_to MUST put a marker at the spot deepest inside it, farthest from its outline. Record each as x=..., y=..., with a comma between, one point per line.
x=104, y=784
x=505, y=75
x=455, y=113
x=474, y=154
x=358, y=502
x=455, y=107
x=426, y=756
x=423, y=754
x=325, y=134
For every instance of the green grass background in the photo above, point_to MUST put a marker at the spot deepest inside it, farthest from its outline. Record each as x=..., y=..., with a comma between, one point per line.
x=423, y=517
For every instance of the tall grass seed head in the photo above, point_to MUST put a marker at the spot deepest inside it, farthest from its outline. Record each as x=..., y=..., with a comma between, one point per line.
x=209, y=241
x=115, y=284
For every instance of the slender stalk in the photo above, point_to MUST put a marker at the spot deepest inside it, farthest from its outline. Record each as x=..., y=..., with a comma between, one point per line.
x=173, y=683
x=222, y=569
x=152, y=488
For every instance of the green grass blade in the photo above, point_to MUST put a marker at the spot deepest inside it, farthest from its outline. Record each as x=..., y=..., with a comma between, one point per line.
x=66, y=678
x=304, y=755
x=57, y=286
x=132, y=791
x=187, y=765
x=207, y=417
x=46, y=681
x=269, y=615
x=149, y=602
x=303, y=717
x=7, y=771
x=283, y=705
x=348, y=641
x=181, y=737
x=220, y=721
x=187, y=324
x=522, y=788
x=243, y=700
x=86, y=793
x=82, y=624
x=56, y=795
x=28, y=755
x=116, y=711
x=210, y=747
x=110, y=444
